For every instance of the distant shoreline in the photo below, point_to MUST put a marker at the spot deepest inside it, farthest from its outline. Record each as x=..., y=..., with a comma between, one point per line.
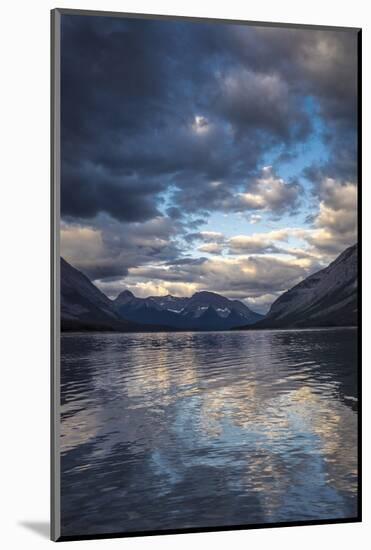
x=275, y=329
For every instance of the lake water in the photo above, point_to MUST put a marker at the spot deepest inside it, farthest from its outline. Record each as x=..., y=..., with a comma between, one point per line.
x=182, y=430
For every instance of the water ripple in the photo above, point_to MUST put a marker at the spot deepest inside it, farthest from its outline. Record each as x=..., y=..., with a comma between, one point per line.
x=184, y=430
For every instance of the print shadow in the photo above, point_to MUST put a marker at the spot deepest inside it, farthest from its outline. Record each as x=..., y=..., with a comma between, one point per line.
x=41, y=528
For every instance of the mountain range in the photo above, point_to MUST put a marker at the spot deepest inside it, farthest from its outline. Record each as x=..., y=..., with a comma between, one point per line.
x=203, y=311
x=326, y=298
x=85, y=307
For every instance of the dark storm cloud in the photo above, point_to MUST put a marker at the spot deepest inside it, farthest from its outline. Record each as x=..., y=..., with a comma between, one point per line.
x=90, y=189
x=109, y=248
x=320, y=65
x=131, y=90
x=317, y=63
x=262, y=103
x=164, y=116
x=102, y=269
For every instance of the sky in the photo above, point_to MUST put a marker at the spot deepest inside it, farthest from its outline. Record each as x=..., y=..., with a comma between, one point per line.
x=200, y=156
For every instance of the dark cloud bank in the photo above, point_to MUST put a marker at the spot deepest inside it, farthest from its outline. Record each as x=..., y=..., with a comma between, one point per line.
x=166, y=122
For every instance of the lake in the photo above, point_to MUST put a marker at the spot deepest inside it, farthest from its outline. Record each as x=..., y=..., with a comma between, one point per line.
x=181, y=430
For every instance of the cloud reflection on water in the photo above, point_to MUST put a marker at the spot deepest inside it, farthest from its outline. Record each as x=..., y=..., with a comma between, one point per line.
x=265, y=416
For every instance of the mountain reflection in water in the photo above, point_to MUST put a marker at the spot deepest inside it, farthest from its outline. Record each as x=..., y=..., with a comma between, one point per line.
x=181, y=430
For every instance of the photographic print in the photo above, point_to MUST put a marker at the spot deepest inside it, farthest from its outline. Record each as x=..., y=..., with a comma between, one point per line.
x=206, y=178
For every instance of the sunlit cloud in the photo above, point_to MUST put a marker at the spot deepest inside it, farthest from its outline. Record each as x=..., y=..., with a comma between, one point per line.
x=270, y=192
x=200, y=124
